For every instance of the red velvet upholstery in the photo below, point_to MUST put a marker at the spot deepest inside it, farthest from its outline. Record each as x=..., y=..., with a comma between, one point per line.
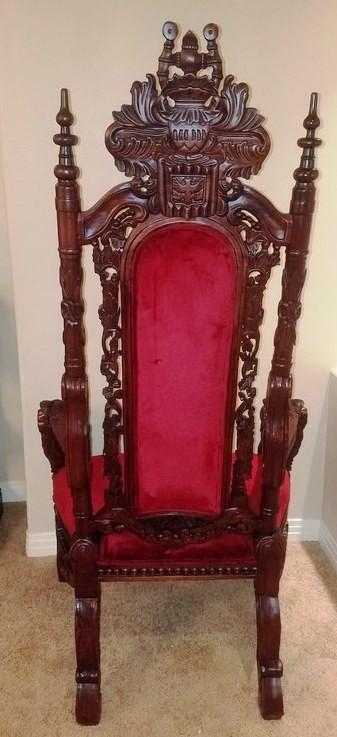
x=127, y=549
x=183, y=295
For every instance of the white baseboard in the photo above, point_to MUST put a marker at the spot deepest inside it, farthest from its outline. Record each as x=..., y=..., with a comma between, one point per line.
x=40, y=544
x=328, y=543
x=304, y=530
x=13, y=491
x=44, y=543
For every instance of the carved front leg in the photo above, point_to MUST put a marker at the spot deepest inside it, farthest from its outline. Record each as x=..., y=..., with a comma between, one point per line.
x=87, y=631
x=270, y=555
x=51, y=424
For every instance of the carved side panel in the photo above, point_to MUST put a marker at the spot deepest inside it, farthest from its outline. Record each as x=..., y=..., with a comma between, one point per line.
x=107, y=261
x=107, y=255
x=263, y=254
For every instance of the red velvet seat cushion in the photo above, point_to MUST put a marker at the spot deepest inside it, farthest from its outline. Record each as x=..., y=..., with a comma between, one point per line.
x=182, y=283
x=126, y=549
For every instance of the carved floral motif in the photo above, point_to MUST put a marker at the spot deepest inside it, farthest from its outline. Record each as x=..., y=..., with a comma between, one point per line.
x=263, y=254
x=225, y=127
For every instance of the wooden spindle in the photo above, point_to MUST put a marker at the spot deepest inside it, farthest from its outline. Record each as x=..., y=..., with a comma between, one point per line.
x=74, y=382
x=289, y=310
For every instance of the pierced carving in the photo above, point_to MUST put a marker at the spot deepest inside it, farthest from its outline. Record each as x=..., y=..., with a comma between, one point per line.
x=51, y=414
x=107, y=260
x=263, y=254
x=107, y=254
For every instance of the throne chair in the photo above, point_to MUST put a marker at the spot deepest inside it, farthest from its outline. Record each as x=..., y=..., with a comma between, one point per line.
x=184, y=250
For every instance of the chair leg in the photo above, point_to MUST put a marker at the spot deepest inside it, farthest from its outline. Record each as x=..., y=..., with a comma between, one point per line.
x=87, y=626
x=88, y=676
x=269, y=666
x=270, y=554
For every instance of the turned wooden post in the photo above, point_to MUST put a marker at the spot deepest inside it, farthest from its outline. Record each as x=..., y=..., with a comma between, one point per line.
x=289, y=310
x=74, y=381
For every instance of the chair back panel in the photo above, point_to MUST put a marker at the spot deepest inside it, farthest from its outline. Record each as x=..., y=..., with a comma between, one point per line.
x=180, y=288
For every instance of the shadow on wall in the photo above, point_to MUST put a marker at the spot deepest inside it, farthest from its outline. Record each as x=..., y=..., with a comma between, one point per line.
x=314, y=481
x=11, y=445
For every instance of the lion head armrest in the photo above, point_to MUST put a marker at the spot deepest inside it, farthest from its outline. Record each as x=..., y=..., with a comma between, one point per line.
x=51, y=424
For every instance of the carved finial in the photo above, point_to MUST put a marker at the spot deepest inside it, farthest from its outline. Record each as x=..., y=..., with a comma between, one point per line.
x=189, y=59
x=65, y=169
x=306, y=171
x=170, y=31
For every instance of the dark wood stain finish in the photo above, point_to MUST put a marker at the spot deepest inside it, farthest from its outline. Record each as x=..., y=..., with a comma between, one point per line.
x=186, y=148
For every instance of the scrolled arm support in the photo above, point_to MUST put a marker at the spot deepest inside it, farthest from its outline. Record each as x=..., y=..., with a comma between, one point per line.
x=118, y=209
x=51, y=424
x=298, y=417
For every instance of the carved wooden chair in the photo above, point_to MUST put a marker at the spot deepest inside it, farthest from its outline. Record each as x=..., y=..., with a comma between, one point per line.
x=184, y=250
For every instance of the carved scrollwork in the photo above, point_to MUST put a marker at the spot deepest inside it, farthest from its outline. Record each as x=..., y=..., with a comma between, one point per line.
x=175, y=531
x=107, y=260
x=209, y=136
x=107, y=254
x=151, y=127
x=263, y=253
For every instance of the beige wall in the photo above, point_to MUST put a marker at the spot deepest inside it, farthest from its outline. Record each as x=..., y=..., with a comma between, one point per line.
x=329, y=509
x=284, y=50
x=11, y=441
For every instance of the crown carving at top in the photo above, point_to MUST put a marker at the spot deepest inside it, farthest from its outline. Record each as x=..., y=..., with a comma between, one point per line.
x=194, y=117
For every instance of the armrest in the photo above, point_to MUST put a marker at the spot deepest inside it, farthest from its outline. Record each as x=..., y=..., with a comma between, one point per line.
x=274, y=447
x=51, y=424
x=298, y=417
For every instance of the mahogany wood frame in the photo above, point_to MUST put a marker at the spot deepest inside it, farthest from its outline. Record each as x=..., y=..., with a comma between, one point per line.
x=184, y=159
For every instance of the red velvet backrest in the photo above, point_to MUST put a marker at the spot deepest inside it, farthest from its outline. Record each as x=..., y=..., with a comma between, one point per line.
x=180, y=315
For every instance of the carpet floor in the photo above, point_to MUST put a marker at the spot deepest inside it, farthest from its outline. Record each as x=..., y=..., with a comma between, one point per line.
x=178, y=659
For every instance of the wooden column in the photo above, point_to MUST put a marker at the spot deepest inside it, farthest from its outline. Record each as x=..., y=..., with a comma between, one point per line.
x=289, y=310
x=74, y=381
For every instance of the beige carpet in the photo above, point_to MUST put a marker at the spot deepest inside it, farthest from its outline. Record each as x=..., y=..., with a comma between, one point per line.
x=178, y=659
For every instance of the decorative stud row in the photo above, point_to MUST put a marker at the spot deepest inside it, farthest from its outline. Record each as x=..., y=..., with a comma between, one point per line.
x=242, y=571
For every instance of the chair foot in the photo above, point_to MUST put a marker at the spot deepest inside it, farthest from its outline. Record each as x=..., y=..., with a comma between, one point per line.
x=270, y=554
x=269, y=666
x=88, y=703
x=270, y=698
x=88, y=675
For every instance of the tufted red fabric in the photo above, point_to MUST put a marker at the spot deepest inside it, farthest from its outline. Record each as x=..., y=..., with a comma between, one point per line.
x=126, y=548
x=183, y=306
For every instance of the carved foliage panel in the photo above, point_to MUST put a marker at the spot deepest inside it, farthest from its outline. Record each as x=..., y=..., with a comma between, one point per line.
x=263, y=253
